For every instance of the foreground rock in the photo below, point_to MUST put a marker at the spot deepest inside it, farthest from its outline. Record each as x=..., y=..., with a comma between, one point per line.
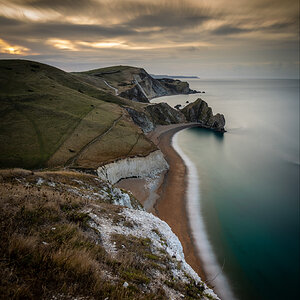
x=66, y=235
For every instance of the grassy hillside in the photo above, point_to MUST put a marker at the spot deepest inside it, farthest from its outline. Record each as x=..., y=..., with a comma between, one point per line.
x=119, y=77
x=53, y=118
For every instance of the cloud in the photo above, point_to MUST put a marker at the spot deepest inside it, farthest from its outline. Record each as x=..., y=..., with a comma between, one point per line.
x=229, y=30
x=276, y=27
x=60, y=29
x=164, y=32
x=58, y=5
x=165, y=14
x=5, y=47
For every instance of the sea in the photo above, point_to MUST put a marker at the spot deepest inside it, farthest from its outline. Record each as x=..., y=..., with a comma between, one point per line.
x=243, y=192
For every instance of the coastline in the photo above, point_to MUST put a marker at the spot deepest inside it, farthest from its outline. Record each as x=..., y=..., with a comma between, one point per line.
x=166, y=197
x=171, y=205
x=202, y=246
x=174, y=198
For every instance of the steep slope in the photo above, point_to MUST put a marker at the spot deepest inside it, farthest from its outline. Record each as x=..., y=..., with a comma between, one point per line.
x=66, y=235
x=48, y=117
x=134, y=83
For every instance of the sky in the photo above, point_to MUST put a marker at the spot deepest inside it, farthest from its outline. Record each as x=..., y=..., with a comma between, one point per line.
x=206, y=38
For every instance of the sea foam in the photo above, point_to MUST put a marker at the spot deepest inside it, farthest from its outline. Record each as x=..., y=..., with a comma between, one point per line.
x=213, y=270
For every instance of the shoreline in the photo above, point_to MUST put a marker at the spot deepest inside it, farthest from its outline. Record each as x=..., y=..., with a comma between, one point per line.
x=171, y=205
x=213, y=271
x=174, y=198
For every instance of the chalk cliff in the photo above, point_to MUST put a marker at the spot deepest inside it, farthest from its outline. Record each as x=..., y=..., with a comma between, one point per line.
x=147, y=166
x=68, y=235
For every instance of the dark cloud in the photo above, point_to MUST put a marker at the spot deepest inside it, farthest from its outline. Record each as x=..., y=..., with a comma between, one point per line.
x=165, y=14
x=172, y=20
x=229, y=30
x=5, y=22
x=13, y=27
x=276, y=27
x=161, y=32
x=281, y=26
x=69, y=5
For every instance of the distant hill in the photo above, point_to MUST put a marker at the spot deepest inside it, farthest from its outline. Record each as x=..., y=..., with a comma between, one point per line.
x=173, y=76
x=134, y=83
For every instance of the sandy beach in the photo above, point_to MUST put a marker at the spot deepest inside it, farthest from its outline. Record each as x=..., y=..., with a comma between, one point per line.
x=171, y=205
x=166, y=198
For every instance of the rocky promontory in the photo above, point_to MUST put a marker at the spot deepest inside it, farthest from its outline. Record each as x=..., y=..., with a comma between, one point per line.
x=136, y=84
x=199, y=111
x=163, y=114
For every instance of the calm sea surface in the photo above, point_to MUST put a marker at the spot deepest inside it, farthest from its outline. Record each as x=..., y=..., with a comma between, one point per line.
x=249, y=183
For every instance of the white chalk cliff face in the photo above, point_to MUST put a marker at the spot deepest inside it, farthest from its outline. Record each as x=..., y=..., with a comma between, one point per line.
x=141, y=167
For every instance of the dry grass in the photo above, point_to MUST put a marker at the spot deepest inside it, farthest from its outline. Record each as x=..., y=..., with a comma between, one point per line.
x=47, y=247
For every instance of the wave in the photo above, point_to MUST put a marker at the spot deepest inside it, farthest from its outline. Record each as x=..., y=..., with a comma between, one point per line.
x=212, y=268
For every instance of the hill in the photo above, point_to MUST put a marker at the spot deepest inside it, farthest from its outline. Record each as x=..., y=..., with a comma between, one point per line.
x=52, y=118
x=134, y=83
x=66, y=235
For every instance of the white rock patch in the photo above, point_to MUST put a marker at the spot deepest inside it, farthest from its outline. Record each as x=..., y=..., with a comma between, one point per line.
x=160, y=234
x=142, y=167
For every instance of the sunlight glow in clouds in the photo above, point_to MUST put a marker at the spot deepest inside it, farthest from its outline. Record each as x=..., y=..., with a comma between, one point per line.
x=76, y=45
x=175, y=36
x=12, y=49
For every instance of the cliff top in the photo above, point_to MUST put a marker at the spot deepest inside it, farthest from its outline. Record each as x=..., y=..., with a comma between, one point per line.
x=66, y=235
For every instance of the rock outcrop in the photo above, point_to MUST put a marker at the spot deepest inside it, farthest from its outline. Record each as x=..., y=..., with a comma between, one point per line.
x=142, y=167
x=200, y=112
x=146, y=87
x=135, y=83
x=175, y=86
x=164, y=114
x=142, y=119
x=155, y=114
x=75, y=226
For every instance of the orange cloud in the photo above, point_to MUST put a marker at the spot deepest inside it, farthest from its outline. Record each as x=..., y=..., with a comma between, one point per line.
x=62, y=44
x=77, y=45
x=5, y=47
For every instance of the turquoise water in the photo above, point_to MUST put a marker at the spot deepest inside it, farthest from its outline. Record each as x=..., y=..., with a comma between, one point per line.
x=249, y=183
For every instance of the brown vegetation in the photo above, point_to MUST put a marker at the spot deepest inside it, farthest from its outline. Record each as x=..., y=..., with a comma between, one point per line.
x=49, y=249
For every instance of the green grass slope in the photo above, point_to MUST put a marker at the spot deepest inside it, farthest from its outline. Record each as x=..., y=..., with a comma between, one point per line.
x=119, y=77
x=51, y=118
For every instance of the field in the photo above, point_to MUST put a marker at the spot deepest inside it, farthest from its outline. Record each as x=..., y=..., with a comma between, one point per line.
x=53, y=118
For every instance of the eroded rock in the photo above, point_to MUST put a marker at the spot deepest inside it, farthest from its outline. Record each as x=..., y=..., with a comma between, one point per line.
x=200, y=112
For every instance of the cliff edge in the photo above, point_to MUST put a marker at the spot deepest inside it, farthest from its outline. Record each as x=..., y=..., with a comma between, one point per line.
x=136, y=84
x=66, y=235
